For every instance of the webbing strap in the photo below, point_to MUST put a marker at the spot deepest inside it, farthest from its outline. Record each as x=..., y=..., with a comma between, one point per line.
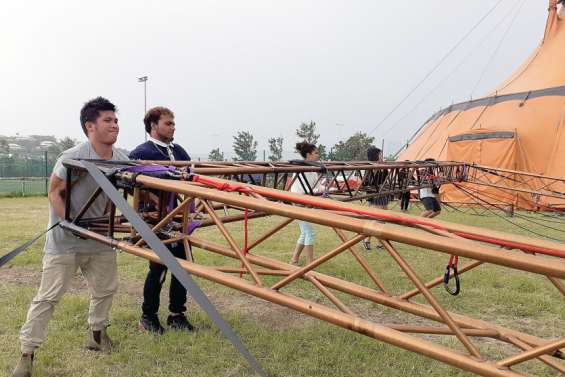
x=12, y=254
x=170, y=261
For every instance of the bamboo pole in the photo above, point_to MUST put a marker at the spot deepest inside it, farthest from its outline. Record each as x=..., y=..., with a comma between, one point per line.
x=444, y=331
x=532, y=353
x=231, y=241
x=375, y=296
x=544, y=358
x=269, y=233
x=187, y=250
x=315, y=263
x=431, y=299
x=329, y=295
x=531, y=263
x=557, y=284
x=235, y=270
x=363, y=263
x=439, y=280
x=521, y=241
x=166, y=219
x=467, y=267
x=338, y=318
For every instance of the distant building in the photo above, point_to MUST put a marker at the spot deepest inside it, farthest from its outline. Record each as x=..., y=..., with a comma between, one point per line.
x=15, y=147
x=46, y=144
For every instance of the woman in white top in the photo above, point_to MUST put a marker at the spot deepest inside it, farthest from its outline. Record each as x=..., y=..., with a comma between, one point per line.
x=307, y=234
x=429, y=196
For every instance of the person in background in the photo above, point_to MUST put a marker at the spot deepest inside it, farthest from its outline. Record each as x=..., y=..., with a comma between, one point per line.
x=404, y=196
x=379, y=178
x=160, y=125
x=429, y=197
x=64, y=252
x=305, y=243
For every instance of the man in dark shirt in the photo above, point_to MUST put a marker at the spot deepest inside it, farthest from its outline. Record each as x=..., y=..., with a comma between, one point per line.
x=160, y=125
x=378, y=179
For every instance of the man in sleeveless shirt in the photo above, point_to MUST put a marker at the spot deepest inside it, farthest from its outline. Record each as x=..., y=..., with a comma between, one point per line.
x=65, y=253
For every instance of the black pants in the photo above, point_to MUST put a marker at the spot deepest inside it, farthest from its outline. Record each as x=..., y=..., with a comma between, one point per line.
x=404, y=201
x=154, y=283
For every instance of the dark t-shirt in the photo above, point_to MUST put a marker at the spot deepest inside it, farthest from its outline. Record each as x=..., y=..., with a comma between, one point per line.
x=151, y=151
x=379, y=178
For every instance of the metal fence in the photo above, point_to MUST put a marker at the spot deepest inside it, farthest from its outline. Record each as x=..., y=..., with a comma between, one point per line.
x=23, y=186
x=25, y=175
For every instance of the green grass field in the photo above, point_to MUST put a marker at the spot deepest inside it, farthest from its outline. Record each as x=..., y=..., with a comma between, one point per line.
x=286, y=343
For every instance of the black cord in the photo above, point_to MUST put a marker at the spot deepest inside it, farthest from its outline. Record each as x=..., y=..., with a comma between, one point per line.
x=504, y=218
x=516, y=214
x=435, y=67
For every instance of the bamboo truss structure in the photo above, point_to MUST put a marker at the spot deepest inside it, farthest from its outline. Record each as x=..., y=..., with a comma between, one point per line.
x=346, y=180
x=204, y=201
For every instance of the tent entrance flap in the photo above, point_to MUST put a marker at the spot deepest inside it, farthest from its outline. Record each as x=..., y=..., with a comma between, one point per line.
x=484, y=147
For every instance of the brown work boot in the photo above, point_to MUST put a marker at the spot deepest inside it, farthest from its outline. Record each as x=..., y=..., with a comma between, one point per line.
x=23, y=369
x=99, y=341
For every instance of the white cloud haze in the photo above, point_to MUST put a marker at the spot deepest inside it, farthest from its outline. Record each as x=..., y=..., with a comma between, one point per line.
x=263, y=66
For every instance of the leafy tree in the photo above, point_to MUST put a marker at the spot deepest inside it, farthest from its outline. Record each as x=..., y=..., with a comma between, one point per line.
x=276, y=148
x=244, y=146
x=324, y=155
x=61, y=145
x=215, y=155
x=4, y=147
x=54, y=150
x=307, y=132
x=354, y=148
x=67, y=143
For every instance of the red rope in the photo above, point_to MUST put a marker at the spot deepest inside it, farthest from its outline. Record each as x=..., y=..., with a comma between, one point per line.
x=453, y=261
x=245, y=237
x=388, y=217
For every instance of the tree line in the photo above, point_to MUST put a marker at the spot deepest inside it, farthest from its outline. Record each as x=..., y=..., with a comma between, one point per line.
x=245, y=146
x=30, y=156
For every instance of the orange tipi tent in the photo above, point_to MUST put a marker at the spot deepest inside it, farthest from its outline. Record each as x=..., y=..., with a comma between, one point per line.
x=518, y=126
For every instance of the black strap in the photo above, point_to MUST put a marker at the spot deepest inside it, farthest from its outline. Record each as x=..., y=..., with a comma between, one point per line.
x=6, y=258
x=170, y=261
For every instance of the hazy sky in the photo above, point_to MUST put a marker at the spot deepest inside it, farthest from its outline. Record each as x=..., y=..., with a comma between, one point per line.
x=263, y=66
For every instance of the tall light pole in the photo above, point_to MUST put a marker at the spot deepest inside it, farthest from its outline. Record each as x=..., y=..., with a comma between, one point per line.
x=143, y=79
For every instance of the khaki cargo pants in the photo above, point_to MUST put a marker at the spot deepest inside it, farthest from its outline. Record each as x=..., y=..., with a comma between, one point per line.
x=100, y=271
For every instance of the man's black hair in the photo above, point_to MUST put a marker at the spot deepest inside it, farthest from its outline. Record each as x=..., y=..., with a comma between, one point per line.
x=91, y=111
x=373, y=153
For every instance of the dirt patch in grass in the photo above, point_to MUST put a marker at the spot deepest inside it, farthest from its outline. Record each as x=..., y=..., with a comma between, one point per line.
x=268, y=314
x=31, y=276
x=23, y=275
